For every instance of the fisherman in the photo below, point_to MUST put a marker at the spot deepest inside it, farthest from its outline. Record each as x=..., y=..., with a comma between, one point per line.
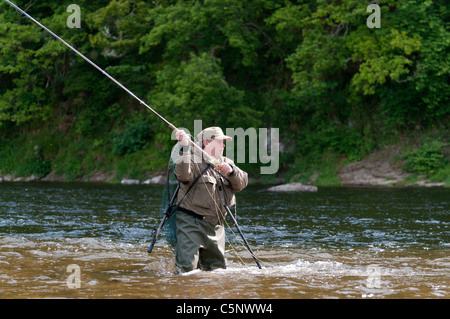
x=200, y=217
x=201, y=240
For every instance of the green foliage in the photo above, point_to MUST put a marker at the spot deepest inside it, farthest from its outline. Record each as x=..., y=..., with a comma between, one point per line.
x=311, y=68
x=135, y=137
x=22, y=89
x=35, y=166
x=23, y=161
x=196, y=89
x=427, y=159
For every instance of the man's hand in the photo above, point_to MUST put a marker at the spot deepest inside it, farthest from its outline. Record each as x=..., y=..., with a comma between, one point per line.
x=182, y=137
x=224, y=168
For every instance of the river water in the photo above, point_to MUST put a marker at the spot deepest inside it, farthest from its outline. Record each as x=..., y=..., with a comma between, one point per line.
x=90, y=241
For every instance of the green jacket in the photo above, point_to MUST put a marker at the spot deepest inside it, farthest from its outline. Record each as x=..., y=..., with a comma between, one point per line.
x=212, y=191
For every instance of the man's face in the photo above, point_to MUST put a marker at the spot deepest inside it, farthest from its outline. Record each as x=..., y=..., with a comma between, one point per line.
x=214, y=147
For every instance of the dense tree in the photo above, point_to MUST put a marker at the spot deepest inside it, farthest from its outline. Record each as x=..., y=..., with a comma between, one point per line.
x=312, y=68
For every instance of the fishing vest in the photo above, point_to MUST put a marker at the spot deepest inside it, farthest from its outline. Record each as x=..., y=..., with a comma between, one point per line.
x=212, y=191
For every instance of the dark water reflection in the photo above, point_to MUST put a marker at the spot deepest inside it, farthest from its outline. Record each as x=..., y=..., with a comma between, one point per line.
x=350, y=217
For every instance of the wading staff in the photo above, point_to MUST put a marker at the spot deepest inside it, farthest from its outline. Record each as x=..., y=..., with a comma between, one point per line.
x=167, y=213
x=209, y=158
x=242, y=235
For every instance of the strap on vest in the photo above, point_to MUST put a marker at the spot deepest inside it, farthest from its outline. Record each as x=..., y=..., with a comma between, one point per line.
x=177, y=206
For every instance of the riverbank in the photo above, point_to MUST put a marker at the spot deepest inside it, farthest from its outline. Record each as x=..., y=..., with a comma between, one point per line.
x=386, y=168
x=411, y=162
x=379, y=169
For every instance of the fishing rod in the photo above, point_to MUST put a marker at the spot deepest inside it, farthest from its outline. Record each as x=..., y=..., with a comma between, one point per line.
x=210, y=159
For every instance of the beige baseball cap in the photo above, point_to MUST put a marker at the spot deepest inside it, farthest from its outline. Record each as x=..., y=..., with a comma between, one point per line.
x=213, y=132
